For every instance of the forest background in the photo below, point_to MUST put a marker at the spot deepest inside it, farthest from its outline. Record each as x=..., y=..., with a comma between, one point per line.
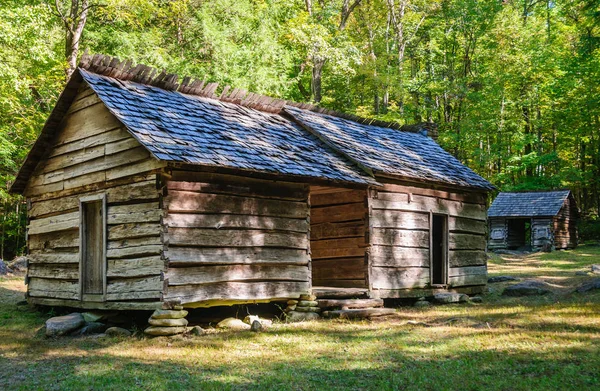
x=514, y=85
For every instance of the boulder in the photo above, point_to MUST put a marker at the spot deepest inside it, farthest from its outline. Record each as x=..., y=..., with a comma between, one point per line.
x=96, y=316
x=492, y=280
x=596, y=269
x=181, y=322
x=233, y=324
x=90, y=328
x=308, y=297
x=164, y=331
x=61, y=325
x=449, y=297
x=256, y=326
x=117, y=332
x=422, y=304
x=292, y=302
x=527, y=288
x=177, y=307
x=308, y=309
x=169, y=314
x=588, y=286
x=295, y=316
x=19, y=264
x=197, y=330
x=3, y=268
x=291, y=307
x=477, y=299
x=582, y=273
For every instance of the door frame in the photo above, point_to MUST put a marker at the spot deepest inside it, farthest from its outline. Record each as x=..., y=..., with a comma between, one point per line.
x=446, y=254
x=82, y=201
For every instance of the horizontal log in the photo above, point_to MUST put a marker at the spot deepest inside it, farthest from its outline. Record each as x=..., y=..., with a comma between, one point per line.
x=54, y=223
x=130, y=169
x=54, y=271
x=185, y=201
x=179, y=256
x=336, y=252
x=137, y=267
x=460, y=258
x=339, y=269
x=398, y=237
x=134, y=242
x=464, y=196
x=399, y=278
x=466, y=280
x=388, y=256
x=337, y=213
x=85, y=123
x=133, y=285
x=338, y=198
x=467, y=270
x=204, y=182
x=146, y=212
x=72, y=158
x=457, y=224
x=337, y=230
x=235, y=238
x=224, y=221
x=106, y=162
x=398, y=201
x=133, y=230
x=350, y=303
x=213, y=274
x=225, y=291
x=134, y=251
x=121, y=145
x=103, y=305
x=54, y=240
x=338, y=244
x=83, y=100
x=458, y=241
x=44, y=287
x=53, y=257
x=92, y=141
x=423, y=292
x=399, y=219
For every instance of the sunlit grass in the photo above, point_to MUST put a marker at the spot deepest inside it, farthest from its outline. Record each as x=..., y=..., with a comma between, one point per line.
x=532, y=343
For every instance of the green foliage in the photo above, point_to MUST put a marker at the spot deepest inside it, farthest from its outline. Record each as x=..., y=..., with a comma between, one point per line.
x=514, y=86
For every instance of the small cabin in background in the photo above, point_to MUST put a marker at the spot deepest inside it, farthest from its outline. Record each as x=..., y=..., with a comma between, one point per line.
x=533, y=220
x=145, y=193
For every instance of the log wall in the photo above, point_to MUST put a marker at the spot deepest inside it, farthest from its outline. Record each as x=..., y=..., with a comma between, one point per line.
x=92, y=153
x=232, y=239
x=338, y=233
x=399, y=227
x=498, y=233
x=565, y=225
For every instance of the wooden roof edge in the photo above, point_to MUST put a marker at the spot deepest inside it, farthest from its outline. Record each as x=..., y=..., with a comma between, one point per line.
x=125, y=70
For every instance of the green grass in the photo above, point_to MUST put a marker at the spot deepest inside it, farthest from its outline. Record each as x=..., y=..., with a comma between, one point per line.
x=541, y=343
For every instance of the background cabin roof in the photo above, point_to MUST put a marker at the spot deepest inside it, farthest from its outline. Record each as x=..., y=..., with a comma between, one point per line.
x=528, y=204
x=390, y=151
x=188, y=124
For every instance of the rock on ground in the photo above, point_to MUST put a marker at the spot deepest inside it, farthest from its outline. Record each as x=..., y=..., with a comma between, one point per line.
x=164, y=331
x=527, y=288
x=197, y=330
x=117, y=332
x=448, y=298
x=492, y=280
x=596, y=269
x=61, y=325
x=294, y=316
x=19, y=264
x=233, y=324
x=422, y=304
x=181, y=322
x=256, y=326
x=476, y=299
x=588, y=286
x=90, y=328
x=4, y=270
x=169, y=314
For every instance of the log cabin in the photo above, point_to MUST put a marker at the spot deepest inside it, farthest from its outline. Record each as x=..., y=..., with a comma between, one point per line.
x=533, y=220
x=147, y=193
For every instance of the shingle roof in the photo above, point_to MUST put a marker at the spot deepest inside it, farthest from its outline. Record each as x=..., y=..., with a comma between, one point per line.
x=528, y=204
x=388, y=151
x=190, y=129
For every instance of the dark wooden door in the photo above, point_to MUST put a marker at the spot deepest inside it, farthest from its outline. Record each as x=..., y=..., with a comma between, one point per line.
x=93, y=270
x=439, y=259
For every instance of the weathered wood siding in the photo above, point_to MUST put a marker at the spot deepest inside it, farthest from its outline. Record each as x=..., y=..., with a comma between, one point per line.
x=497, y=233
x=92, y=154
x=565, y=225
x=232, y=239
x=338, y=237
x=399, y=228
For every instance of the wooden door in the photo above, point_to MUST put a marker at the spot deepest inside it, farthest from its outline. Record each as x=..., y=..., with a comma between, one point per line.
x=439, y=246
x=93, y=245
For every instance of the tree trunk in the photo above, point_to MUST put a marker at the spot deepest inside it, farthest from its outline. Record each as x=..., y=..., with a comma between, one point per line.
x=317, y=73
x=74, y=23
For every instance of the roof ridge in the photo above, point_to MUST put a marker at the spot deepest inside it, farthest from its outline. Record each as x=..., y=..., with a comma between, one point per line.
x=125, y=70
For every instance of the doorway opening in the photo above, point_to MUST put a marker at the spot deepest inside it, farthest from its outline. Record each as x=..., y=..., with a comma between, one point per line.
x=93, y=249
x=519, y=234
x=439, y=247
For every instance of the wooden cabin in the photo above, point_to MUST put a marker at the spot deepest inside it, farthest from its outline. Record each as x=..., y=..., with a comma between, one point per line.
x=144, y=193
x=533, y=220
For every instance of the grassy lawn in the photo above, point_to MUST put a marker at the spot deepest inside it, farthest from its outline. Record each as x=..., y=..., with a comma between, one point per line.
x=542, y=343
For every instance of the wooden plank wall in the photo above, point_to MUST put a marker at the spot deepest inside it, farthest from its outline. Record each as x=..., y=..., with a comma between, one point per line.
x=499, y=224
x=93, y=154
x=565, y=225
x=234, y=239
x=541, y=231
x=338, y=237
x=399, y=257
